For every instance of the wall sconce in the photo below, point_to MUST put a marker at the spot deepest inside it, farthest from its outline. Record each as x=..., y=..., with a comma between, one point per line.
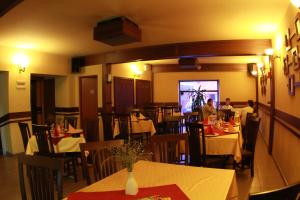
x=136, y=71
x=21, y=61
x=296, y=3
x=271, y=52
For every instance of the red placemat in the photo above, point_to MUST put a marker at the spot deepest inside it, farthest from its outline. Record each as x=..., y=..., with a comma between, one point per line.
x=172, y=191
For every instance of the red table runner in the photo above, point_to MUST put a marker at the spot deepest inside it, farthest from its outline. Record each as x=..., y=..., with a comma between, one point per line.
x=172, y=191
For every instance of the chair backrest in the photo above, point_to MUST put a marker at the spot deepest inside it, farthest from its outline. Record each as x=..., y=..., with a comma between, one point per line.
x=107, y=121
x=98, y=156
x=167, y=148
x=167, y=111
x=125, y=125
x=290, y=192
x=70, y=120
x=25, y=132
x=43, y=139
x=91, y=129
x=196, y=143
x=152, y=113
x=44, y=175
x=251, y=131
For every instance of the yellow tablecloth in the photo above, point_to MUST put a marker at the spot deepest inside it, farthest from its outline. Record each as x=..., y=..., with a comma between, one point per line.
x=68, y=144
x=138, y=126
x=230, y=144
x=197, y=183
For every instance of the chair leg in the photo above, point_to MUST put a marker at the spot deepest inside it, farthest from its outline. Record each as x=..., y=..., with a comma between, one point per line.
x=252, y=167
x=74, y=170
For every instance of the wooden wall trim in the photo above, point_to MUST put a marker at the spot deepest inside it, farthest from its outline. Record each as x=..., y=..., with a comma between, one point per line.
x=15, y=117
x=7, y=5
x=175, y=50
x=205, y=67
x=290, y=122
x=67, y=109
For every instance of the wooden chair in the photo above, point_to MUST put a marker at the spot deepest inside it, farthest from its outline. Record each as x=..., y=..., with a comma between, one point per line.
x=107, y=121
x=97, y=155
x=70, y=120
x=46, y=148
x=166, y=111
x=166, y=148
x=25, y=132
x=125, y=126
x=290, y=192
x=91, y=129
x=151, y=113
x=197, y=147
x=44, y=174
x=251, y=129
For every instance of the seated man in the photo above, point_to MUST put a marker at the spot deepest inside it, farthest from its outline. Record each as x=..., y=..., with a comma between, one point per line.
x=227, y=105
x=248, y=109
x=208, y=109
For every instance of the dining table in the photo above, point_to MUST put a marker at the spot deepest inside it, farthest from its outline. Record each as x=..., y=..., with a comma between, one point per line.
x=139, y=125
x=227, y=141
x=62, y=143
x=194, y=182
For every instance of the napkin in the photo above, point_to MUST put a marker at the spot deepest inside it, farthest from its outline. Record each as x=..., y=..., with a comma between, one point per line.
x=71, y=128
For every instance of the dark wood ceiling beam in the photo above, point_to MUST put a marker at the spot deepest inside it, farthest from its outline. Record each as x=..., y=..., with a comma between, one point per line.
x=7, y=5
x=198, y=49
x=205, y=67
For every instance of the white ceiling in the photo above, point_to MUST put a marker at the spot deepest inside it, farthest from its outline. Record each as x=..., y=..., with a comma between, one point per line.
x=65, y=26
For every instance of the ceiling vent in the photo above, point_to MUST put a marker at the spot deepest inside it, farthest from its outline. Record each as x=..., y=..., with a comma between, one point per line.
x=117, y=31
x=189, y=63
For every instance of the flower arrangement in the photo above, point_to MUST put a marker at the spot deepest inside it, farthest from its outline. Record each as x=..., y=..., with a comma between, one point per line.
x=129, y=153
x=198, y=99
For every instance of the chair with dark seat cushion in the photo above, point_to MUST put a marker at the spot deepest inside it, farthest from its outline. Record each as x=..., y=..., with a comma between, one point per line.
x=99, y=159
x=91, y=130
x=166, y=148
x=46, y=147
x=44, y=174
x=107, y=121
x=197, y=147
x=125, y=126
x=251, y=131
x=70, y=120
x=25, y=132
x=290, y=192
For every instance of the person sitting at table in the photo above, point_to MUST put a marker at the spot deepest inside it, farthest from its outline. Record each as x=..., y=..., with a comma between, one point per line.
x=227, y=105
x=208, y=109
x=245, y=110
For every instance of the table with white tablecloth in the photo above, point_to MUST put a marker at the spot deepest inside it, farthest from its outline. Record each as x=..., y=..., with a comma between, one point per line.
x=228, y=144
x=196, y=182
x=66, y=144
x=138, y=126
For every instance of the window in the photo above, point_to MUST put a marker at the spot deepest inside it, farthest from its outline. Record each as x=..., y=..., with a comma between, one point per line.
x=186, y=88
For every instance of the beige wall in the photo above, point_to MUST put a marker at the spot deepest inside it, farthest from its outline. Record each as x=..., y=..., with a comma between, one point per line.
x=236, y=85
x=19, y=99
x=286, y=146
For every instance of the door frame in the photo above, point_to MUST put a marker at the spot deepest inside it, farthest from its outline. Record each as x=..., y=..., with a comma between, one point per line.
x=80, y=95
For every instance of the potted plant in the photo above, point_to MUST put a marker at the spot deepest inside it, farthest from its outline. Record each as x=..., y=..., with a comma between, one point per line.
x=198, y=99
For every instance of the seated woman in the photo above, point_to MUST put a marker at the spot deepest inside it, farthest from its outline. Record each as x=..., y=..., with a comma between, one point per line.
x=208, y=109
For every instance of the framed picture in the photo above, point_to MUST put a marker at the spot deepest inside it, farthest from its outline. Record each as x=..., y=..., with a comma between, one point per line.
x=289, y=58
x=291, y=85
x=297, y=26
x=286, y=68
x=295, y=58
x=287, y=40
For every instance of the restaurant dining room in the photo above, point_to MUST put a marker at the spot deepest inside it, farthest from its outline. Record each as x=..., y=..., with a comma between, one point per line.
x=150, y=100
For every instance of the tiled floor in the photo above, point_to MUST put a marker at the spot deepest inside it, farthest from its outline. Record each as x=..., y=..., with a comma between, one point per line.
x=266, y=176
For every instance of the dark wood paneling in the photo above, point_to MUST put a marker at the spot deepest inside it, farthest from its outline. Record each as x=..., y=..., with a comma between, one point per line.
x=123, y=94
x=7, y=5
x=67, y=109
x=143, y=93
x=205, y=67
x=106, y=88
x=175, y=50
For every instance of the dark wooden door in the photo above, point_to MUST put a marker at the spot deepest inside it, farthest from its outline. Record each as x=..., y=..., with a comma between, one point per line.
x=49, y=100
x=88, y=90
x=143, y=93
x=123, y=94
